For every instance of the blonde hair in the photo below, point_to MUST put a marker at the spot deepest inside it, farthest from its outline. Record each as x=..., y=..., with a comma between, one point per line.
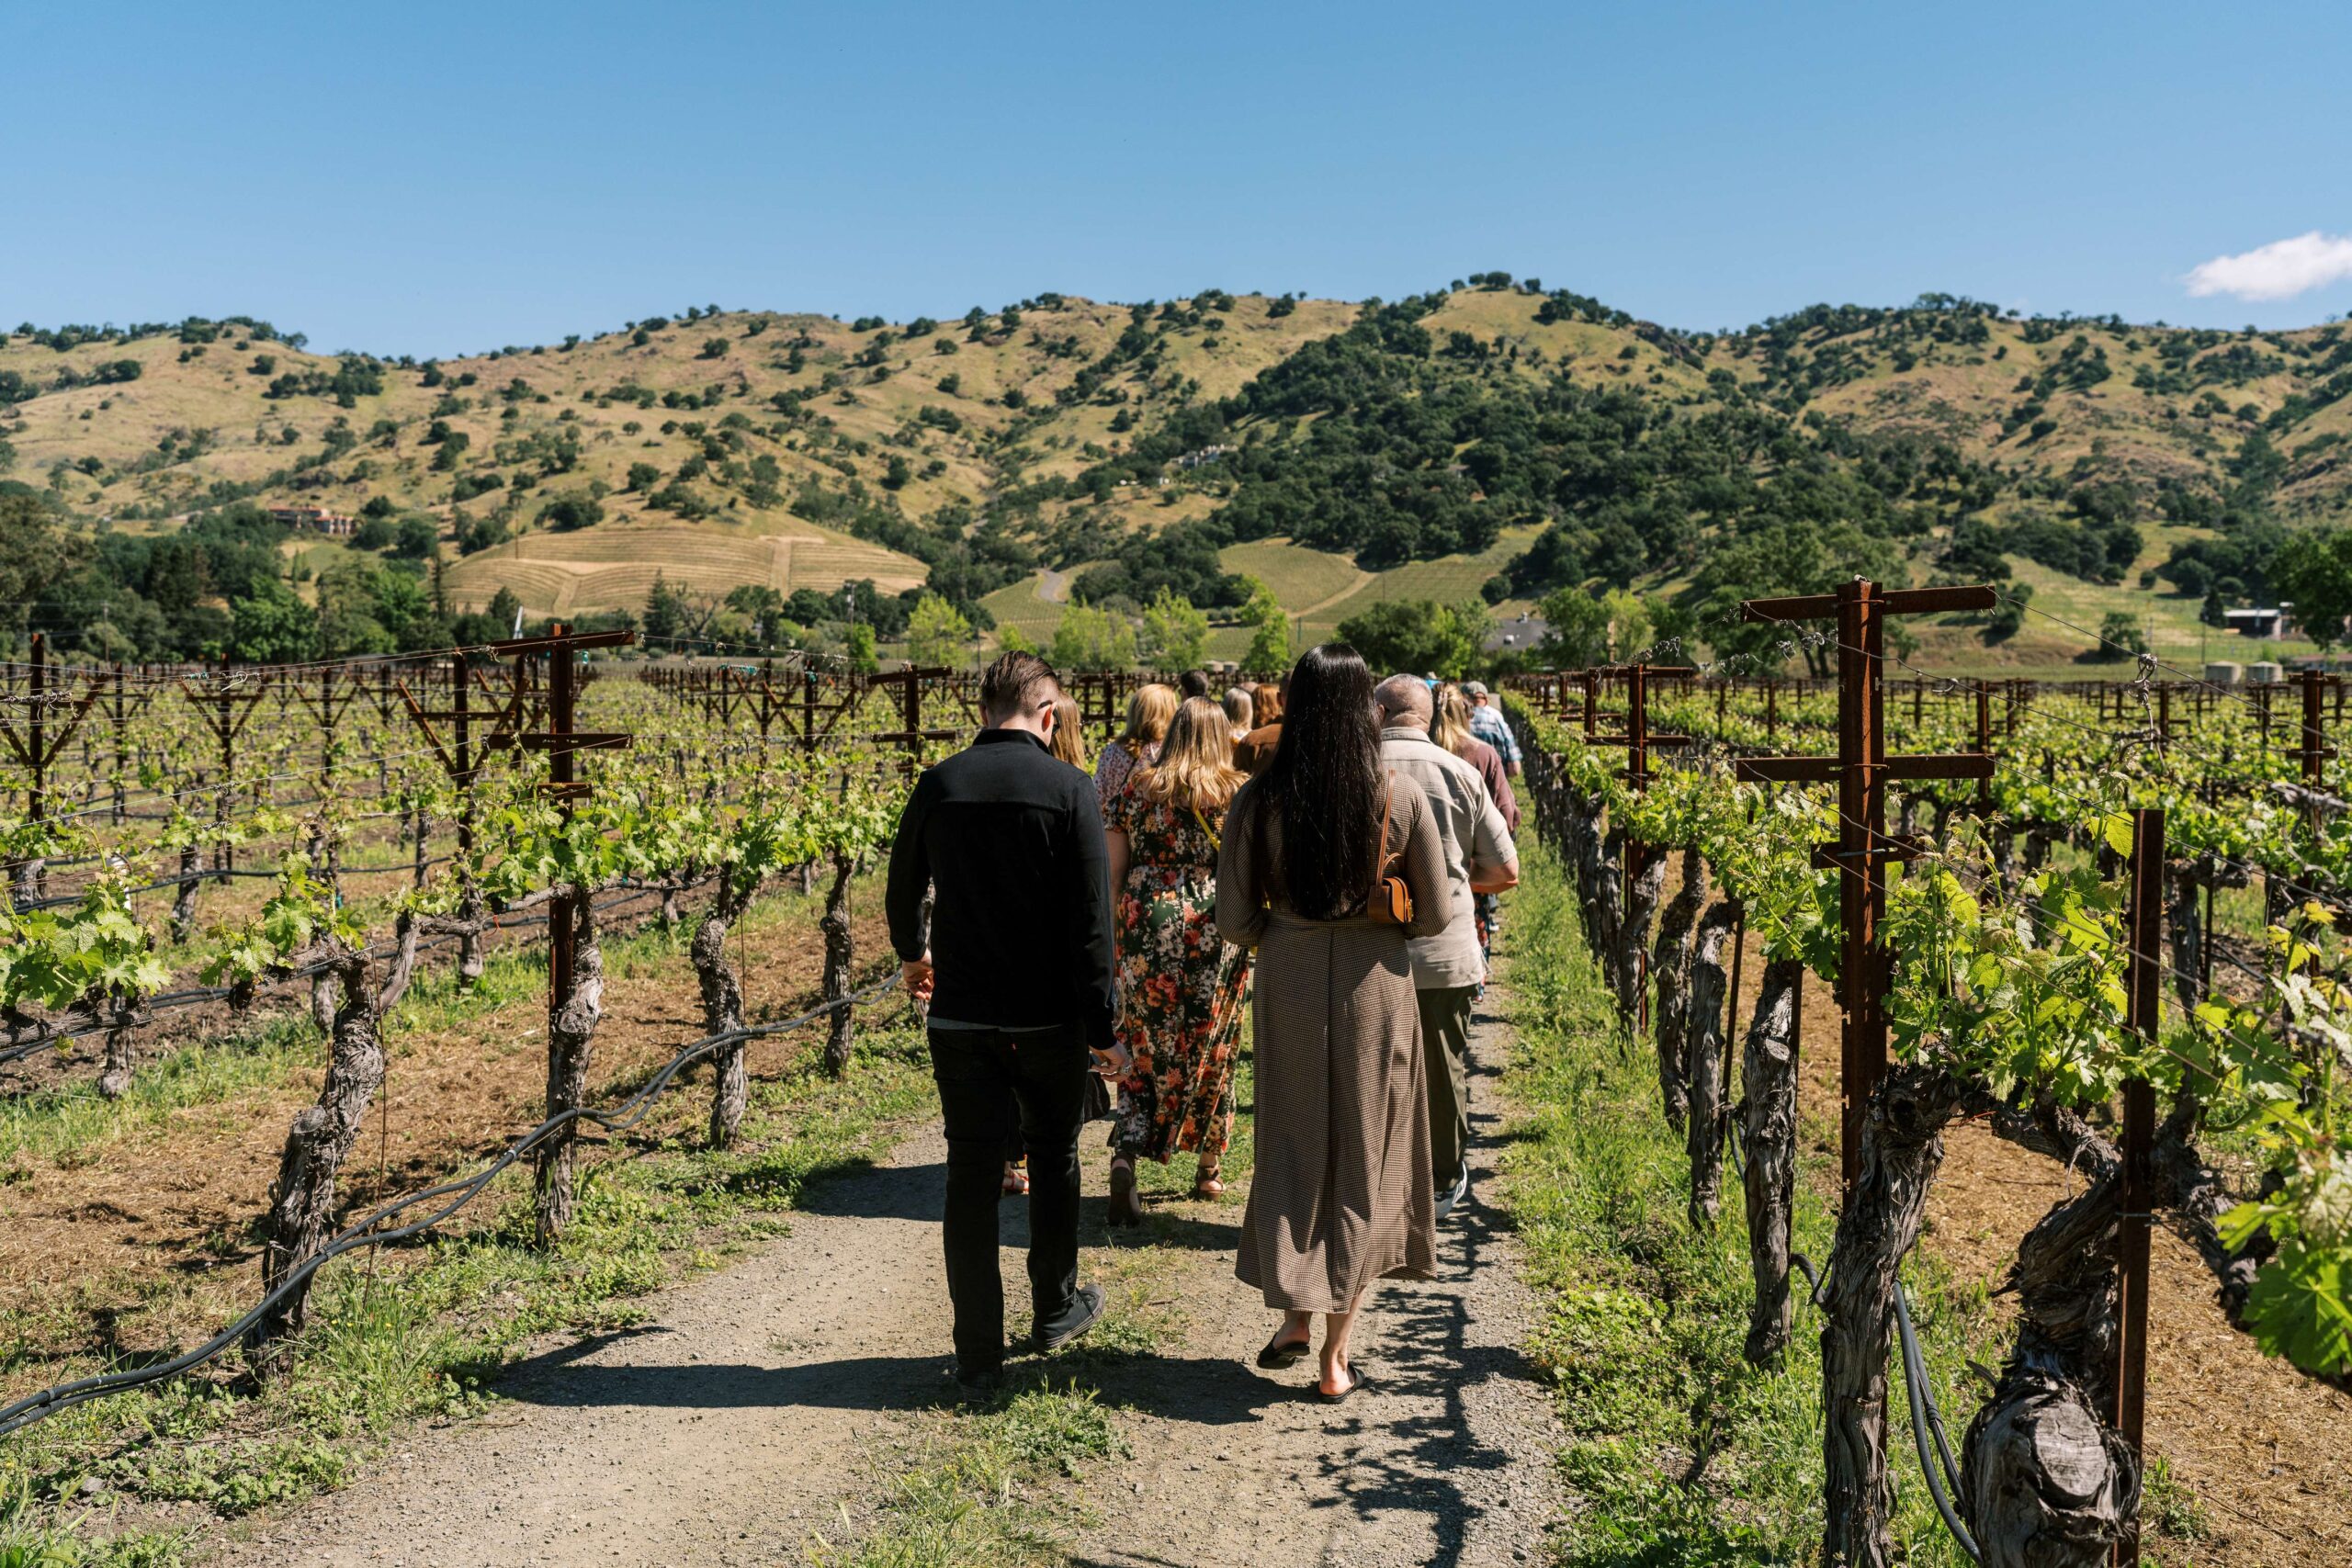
x=1195, y=769
x=1239, y=706
x=1069, y=741
x=1149, y=712
x=1450, y=728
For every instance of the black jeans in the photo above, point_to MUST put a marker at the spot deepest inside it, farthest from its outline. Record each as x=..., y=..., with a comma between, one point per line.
x=1044, y=1072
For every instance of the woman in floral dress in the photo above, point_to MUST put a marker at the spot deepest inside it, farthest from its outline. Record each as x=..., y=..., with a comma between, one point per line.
x=1148, y=713
x=1181, y=985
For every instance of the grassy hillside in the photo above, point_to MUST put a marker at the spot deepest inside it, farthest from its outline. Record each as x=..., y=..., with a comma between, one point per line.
x=1004, y=455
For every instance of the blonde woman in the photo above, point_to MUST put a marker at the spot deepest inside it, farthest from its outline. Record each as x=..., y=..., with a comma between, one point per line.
x=1180, y=984
x=1069, y=732
x=1239, y=709
x=1148, y=712
x=1450, y=728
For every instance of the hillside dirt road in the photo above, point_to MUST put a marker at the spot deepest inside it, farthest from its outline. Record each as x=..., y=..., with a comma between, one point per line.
x=765, y=1405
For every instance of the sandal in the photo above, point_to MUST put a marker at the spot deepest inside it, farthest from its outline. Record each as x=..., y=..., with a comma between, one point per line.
x=1126, y=1206
x=1016, y=1182
x=1205, y=1186
x=1278, y=1356
x=1357, y=1378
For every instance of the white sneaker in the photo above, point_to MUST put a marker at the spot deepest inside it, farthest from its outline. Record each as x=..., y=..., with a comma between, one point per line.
x=1448, y=1199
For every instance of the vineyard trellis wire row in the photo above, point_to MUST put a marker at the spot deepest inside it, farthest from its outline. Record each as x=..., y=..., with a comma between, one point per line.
x=2075, y=1028
x=691, y=793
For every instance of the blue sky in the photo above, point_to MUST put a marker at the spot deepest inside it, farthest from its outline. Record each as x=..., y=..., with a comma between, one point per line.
x=435, y=178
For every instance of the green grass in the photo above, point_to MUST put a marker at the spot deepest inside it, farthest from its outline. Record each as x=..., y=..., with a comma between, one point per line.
x=968, y=1496
x=1677, y=1452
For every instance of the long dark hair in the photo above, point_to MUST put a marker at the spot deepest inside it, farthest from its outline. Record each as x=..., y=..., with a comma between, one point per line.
x=1324, y=783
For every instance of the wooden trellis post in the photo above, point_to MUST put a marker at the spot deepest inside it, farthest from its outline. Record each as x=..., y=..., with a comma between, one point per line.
x=41, y=743
x=226, y=709
x=1861, y=771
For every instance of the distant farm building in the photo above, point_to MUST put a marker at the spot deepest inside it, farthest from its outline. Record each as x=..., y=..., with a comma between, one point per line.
x=316, y=519
x=2265, y=625
x=1204, y=457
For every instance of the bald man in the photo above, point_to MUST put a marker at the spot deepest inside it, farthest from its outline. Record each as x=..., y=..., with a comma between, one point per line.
x=1448, y=968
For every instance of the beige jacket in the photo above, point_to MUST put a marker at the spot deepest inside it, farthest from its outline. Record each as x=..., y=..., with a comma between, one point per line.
x=1471, y=828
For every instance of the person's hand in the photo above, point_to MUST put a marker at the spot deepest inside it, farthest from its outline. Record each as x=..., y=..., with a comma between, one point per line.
x=915, y=975
x=1115, y=1063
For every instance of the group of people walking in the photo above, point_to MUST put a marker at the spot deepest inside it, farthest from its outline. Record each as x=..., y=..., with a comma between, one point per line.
x=1331, y=845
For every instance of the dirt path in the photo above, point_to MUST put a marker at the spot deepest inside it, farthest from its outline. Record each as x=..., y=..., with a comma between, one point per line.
x=759, y=1406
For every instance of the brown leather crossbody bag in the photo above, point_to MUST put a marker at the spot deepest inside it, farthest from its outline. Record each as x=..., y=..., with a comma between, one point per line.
x=1391, y=902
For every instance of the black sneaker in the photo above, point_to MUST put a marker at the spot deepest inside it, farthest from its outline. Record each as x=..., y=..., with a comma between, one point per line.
x=978, y=1384
x=1085, y=1312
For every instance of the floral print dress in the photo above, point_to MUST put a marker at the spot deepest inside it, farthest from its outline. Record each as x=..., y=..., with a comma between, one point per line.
x=1181, y=986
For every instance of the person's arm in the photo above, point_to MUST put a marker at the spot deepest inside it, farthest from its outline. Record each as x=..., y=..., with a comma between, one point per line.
x=1505, y=801
x=1114, y=846
x=1494, y=859
x=902, y=895
x=1424, y=863
x=1241, y=880
x=1091, y=896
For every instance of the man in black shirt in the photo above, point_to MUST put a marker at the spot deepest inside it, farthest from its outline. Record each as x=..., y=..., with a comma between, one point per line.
x=1018, y=972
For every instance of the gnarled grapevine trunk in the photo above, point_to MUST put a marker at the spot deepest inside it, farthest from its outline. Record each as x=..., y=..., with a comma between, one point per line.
x=1705, y=1032
x=1670, y=963
x=1607, y=901
x=838, y=959
x=1902, y=1148
x=1646, y=882
x=722, y=1011
x=122, y=1016
x=1767, y=1132
x=184, y=901
x=404, y=969
x=2044, y=1481
x=571, y=1028
x=476, y=918
x=301, y=1201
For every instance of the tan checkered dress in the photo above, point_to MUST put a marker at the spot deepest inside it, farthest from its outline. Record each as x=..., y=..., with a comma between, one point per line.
x=1342, y=1194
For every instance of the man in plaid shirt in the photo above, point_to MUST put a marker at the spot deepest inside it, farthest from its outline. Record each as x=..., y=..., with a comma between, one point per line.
x=1488, y=723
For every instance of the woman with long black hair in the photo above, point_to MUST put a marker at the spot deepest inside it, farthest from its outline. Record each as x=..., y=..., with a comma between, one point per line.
x=1341, y=1193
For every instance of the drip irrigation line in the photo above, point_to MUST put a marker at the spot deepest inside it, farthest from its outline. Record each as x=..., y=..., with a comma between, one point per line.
x=363, y=1233
x=1943, y=1476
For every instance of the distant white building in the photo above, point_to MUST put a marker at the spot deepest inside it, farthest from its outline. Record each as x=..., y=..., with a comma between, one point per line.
x=1202, y=459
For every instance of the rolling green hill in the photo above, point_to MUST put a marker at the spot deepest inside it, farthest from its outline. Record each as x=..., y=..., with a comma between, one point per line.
x=1496, y=439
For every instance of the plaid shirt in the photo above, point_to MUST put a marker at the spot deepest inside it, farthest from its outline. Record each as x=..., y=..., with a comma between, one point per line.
x=1486, y=722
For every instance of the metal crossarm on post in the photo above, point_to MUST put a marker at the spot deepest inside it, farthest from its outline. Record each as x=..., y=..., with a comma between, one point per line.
x=1861, y=771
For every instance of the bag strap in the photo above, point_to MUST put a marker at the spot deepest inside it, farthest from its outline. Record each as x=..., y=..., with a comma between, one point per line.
x=1214, y=842
x=1380, y=845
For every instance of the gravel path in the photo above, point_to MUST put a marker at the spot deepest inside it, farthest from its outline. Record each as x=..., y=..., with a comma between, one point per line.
x=748, y=1414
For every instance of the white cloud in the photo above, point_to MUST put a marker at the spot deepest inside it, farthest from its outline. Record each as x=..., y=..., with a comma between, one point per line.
x=2279, y=270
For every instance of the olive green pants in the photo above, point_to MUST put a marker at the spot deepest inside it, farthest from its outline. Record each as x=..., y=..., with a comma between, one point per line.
x=1445, y=1048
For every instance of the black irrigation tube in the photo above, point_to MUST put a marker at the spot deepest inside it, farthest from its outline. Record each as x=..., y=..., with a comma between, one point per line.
x=362, y=1233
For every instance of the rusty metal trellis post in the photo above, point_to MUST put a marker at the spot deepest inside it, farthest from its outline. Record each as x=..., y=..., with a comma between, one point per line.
x=1861, y=771
x=2142, y=999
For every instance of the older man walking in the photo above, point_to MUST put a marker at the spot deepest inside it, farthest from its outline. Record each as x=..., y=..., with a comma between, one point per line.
x=1448, y=968
x=1486, y=722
